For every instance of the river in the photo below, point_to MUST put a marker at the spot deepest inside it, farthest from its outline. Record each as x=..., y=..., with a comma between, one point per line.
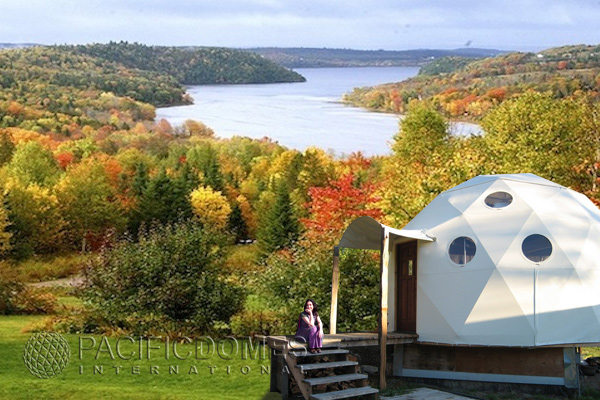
x=299, y=115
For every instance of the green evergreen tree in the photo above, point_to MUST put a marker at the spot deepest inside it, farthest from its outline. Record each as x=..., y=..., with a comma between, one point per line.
x=205, y=159
x=7, y=148
x=140, y=180
x=164, y=200
x=281, y=227
x=236, y=223
x=187, y=178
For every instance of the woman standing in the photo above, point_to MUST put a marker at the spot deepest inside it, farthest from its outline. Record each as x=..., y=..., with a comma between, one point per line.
x=310, y=327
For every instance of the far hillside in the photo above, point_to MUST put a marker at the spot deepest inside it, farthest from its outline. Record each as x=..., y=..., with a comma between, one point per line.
x=194, y=65
x=16, y=45
x=466, y=89
x=61, y=89
x=301, y=57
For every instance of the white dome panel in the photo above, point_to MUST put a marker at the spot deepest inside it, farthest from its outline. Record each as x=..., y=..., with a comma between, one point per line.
x=444, y=211
x=452, y=295
x=496, y=238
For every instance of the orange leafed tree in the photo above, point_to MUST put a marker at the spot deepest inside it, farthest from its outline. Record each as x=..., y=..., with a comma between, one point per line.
x=333, y=207
x=64, y=159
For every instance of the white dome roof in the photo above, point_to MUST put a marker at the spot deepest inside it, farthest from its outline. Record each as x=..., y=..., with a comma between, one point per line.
x=509, y=293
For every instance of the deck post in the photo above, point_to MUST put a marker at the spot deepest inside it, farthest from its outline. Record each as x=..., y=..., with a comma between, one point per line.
x=274, y=372
x=383, y=316
x=335, y=283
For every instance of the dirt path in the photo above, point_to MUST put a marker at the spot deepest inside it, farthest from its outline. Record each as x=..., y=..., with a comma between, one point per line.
x=72, y=281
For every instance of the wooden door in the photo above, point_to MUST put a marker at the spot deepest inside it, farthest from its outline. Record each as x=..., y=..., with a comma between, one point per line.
x=406, y=285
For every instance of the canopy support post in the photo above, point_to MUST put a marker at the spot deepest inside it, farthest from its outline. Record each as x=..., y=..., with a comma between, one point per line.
x=335, y=283
x=383, y=316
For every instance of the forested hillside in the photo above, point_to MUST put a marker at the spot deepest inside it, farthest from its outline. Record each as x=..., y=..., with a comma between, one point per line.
x=319, y=58
x=62, y=89
x=467, y=89
x=194, y=65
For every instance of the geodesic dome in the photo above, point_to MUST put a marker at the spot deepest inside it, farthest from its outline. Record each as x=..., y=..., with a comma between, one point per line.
x=516, y=263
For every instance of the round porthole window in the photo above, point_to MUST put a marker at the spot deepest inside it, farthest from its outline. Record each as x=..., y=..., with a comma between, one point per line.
x=462, y=250
x=498, y=200
x=537, y=248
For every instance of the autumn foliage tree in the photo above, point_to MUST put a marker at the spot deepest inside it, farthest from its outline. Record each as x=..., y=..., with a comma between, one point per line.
x=89, y=203
x=333, y=207
x=32, y=163
x=5, y=235
x=210, y=207
x=558, y=139
x=414, y=174
x=37, y=224
x=7, y=148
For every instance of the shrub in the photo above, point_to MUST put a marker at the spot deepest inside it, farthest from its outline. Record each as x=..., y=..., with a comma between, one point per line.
x=9, y=290
x=256, y=322
x=170, y=279
x=17, y=298
x=35, y=301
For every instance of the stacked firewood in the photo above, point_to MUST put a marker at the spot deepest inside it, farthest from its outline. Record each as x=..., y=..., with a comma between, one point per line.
x=321, y=373
x=590, y=366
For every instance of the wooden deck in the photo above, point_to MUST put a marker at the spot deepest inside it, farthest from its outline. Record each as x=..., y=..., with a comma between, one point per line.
x=341, y=340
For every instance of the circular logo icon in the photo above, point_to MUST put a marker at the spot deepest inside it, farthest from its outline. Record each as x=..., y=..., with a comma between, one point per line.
x=46, y=354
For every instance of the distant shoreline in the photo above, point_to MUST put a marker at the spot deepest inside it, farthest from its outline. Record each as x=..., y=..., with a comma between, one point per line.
x=300, y=57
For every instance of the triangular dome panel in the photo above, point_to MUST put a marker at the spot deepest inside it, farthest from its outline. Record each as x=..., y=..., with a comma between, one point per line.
x=437, y=260
x=563, y=205
x=496, y=238
x=452, y=295
x=589, y=294
x=590, y=250
x=436, y=213
x=434, y=327
x=464, y=198
x=520, y=283
x=592, y=211
x=479, y=206
x=563, y=313
x=498, y=314
x=514, y=257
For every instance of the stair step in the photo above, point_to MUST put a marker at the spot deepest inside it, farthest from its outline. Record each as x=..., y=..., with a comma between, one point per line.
x=335, y=379
x=344, y=394
x=323, y=365
x=322, y=353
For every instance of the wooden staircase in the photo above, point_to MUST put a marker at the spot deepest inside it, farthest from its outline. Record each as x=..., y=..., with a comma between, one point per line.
x=328, y=375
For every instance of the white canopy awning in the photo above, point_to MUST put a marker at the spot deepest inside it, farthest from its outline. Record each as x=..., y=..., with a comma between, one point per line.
x=365, y=233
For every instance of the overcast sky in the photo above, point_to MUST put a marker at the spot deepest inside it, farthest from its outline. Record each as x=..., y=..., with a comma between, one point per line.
x=527, y=25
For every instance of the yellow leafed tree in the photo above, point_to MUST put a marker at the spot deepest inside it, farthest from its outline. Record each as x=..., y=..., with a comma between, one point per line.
x=210, y=207
x=248, y=214
x=36, y=218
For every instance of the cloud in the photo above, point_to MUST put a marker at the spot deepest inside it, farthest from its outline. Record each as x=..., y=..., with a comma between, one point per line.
x=389, y=24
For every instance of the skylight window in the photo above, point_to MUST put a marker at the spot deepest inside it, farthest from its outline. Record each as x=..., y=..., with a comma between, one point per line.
x=498, y=200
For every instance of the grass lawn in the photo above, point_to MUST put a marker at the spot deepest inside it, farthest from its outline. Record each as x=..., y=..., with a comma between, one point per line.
x=17, y=383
